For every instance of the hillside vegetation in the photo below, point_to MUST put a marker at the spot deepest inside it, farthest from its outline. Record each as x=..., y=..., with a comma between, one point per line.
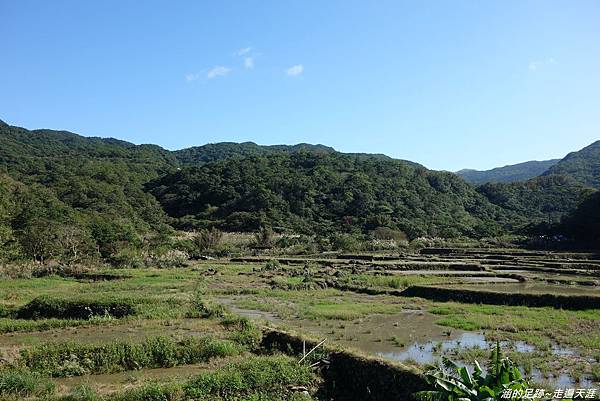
x=69, y=197
x=541, y=199
x=65, y=196
x=513, y=173
x=314, y=193
x=583, y=166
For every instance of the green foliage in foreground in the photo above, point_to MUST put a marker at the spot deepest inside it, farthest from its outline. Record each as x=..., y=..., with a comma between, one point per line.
x=257, y=378
x=74, y=359
x=23, y=383
x=453, y=383
x=258, y=375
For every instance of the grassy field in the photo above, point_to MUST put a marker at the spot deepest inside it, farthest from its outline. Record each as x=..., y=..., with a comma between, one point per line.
x=176, y=334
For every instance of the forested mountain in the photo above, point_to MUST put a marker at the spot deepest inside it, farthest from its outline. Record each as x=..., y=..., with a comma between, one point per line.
x=583, y=223
x=540, y=199
x=512, y=173
x=227, y=150
x=64, y=195
x=311, y=193
x=583, y=166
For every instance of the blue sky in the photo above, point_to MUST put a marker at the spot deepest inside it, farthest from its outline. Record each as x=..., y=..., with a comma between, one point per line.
x=449, y=84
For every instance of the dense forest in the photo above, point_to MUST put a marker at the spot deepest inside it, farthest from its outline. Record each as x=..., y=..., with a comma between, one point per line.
x=315, y=193
x=583, y=166
x=545, y=198
x=65, y=196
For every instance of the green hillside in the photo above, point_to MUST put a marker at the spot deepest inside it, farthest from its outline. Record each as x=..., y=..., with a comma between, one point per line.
x=583, y=166
x=310, y=193
x=63, y=195
x=227, y=150
x=541, y=199
x=512, y=173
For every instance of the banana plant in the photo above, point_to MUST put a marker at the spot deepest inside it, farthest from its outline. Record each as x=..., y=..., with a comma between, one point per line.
x=450, y=382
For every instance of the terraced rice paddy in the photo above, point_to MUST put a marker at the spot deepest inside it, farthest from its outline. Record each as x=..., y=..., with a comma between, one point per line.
x=160, y=330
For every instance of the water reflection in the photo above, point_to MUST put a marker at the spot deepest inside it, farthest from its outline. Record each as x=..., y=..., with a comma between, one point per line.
x=430, y=353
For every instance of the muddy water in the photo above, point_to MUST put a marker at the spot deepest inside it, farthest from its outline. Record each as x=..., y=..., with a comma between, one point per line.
x=431, y=352
x=411, y=335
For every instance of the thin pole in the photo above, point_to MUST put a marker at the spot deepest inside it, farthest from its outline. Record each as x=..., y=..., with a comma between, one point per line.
x=310, y=352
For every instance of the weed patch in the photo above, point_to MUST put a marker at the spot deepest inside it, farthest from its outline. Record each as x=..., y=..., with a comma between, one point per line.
x=22, y=383
x=74, y=359
x=48, y=307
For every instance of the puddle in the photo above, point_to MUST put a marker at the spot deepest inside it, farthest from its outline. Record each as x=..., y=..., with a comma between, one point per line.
x=410, y=335
x=430, y=353
x=561, y=381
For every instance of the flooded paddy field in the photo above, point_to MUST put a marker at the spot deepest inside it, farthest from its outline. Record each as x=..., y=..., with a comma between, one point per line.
x=183, y=323
x=554, y=346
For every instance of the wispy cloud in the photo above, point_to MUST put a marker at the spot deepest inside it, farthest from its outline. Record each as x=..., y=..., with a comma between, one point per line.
x=249, y=62
x=218, y=71
x=536, y=65
x=243, y=51
x=295, y=70
x=192, y=77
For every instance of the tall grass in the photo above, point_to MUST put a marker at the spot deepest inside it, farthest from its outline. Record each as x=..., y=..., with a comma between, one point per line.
x=257, y=375
x=258, y=378
x=74, y=359
x=23, y=383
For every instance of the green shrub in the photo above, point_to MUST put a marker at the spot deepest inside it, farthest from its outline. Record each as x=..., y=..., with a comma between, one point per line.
x=272, y=265
x=23, y=383
x=264, y=238
x=346, y=242
x=385, y=233
x=207, y=240
x=244, y=332
x=204, y=308
x=47, y=307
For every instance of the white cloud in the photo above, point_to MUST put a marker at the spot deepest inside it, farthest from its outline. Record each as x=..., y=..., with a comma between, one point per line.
x=218, y=71
x=192, y=77
x=538, y=64
x=295, y=70
x=243, y=51
x=249, y=62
